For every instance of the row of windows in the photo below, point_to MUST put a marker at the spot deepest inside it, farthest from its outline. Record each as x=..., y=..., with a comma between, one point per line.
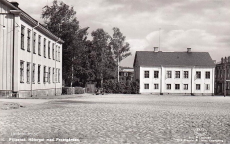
x=55, y=52
x=221, y=73
x=46, y=73
x=177, y=86
x=177, y=74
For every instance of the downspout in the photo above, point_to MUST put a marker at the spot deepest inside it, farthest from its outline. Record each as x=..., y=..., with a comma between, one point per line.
x=13, y=55
x=213, y=83
x=31, y=64
x=192, y=79
x=161, y=81
x=55, y=67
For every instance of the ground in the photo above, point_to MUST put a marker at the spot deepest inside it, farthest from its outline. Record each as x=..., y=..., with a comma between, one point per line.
x=117, y=118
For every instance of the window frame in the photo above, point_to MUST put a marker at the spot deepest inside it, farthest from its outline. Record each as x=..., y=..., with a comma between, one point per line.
x=22, y=37
x=28, y=72
x=146, y=74
x=198, y=87
x=168, y=85
x=177, y=88
x=207, y=73
x=146, y=86
x=169, y=74
x=156, y=74
x=186, y=74
x=185, y=86
x=198, y=74
x=156, y=86
x=28, y=40
x=176, y=74
x=22, y=67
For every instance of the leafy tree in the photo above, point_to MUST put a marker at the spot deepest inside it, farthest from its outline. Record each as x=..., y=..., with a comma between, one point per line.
x=61, y=20
x=104, y=64
x=120, y=48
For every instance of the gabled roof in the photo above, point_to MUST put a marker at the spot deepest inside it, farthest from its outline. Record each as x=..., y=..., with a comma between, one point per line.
x=32, y=21
x=150, y=58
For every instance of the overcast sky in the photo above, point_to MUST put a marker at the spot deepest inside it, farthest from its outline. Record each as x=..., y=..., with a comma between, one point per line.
x=203, y=25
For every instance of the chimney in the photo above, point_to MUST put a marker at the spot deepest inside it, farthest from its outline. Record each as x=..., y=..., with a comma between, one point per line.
x=189, y=50
x=14, y=3
x=155, y=49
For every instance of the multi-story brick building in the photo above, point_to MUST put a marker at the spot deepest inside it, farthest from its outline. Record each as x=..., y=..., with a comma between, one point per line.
x=30, y=55
x=222, y=76
x=187, y=73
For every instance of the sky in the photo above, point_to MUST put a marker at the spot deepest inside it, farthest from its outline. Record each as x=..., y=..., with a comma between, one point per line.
x=171, y=25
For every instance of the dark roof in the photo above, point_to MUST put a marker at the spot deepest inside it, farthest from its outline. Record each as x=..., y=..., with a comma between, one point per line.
x=150, y=58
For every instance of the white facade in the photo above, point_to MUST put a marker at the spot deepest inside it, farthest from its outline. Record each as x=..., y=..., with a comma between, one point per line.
x=188, y=81
x=32, y=61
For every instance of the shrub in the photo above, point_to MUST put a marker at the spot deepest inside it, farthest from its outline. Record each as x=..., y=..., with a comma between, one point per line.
x=79, y=90
x=130, y=87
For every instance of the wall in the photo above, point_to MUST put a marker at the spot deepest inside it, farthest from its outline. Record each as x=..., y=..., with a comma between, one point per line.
x=6, y=49
x=162, y=80
x=37, y=59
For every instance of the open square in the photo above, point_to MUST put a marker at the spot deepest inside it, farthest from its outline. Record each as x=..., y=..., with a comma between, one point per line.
x=117, y=118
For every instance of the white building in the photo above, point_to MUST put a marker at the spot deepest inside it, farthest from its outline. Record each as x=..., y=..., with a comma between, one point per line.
x=30, y=55
x=186, y=73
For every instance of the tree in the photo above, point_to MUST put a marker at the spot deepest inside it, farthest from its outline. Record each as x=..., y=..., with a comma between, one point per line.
x=61, y=20
x=121, y=49
x=104, y=65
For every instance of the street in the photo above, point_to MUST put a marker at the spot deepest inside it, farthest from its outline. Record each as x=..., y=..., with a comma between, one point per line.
x=118, y=118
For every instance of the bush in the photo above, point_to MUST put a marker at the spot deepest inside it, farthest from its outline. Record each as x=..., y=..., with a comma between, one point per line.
x=72, y=90
x=130, y=87
x=79, y=90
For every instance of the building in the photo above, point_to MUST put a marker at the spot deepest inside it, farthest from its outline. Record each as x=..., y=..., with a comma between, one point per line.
x=126, y=73
x=30, y=55
x=186, y=73
x=221, y=76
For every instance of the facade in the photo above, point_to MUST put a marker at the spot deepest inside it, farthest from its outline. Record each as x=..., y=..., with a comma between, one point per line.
x=30, y=55
x=186, y=73
x=221, y=76
x=126, y=73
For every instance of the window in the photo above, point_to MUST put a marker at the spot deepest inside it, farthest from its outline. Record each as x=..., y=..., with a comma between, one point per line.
x=185, y=86
x=49, y=49
x=49, y=74
x=22, y=37
x=168, y=86
x=21, y=71
x=33, y=73
x=53, y=51
x=156, y=74
x=197, y=86
x=44, y=47
x=28, y=40
x=177, y=86
x=207, y=75
x=146, y=86
x=146, y=74
x=207, y=86
x=28, y=72
x=198, y=74
x=53, y=75
x=185, y=74
x=58, y=53
x=59, y=75
x=39, y=45
x=39, y=73
x=156, y=86
x=169, y=74
x=34, y=43
x=177, y=74
x=44, y=75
